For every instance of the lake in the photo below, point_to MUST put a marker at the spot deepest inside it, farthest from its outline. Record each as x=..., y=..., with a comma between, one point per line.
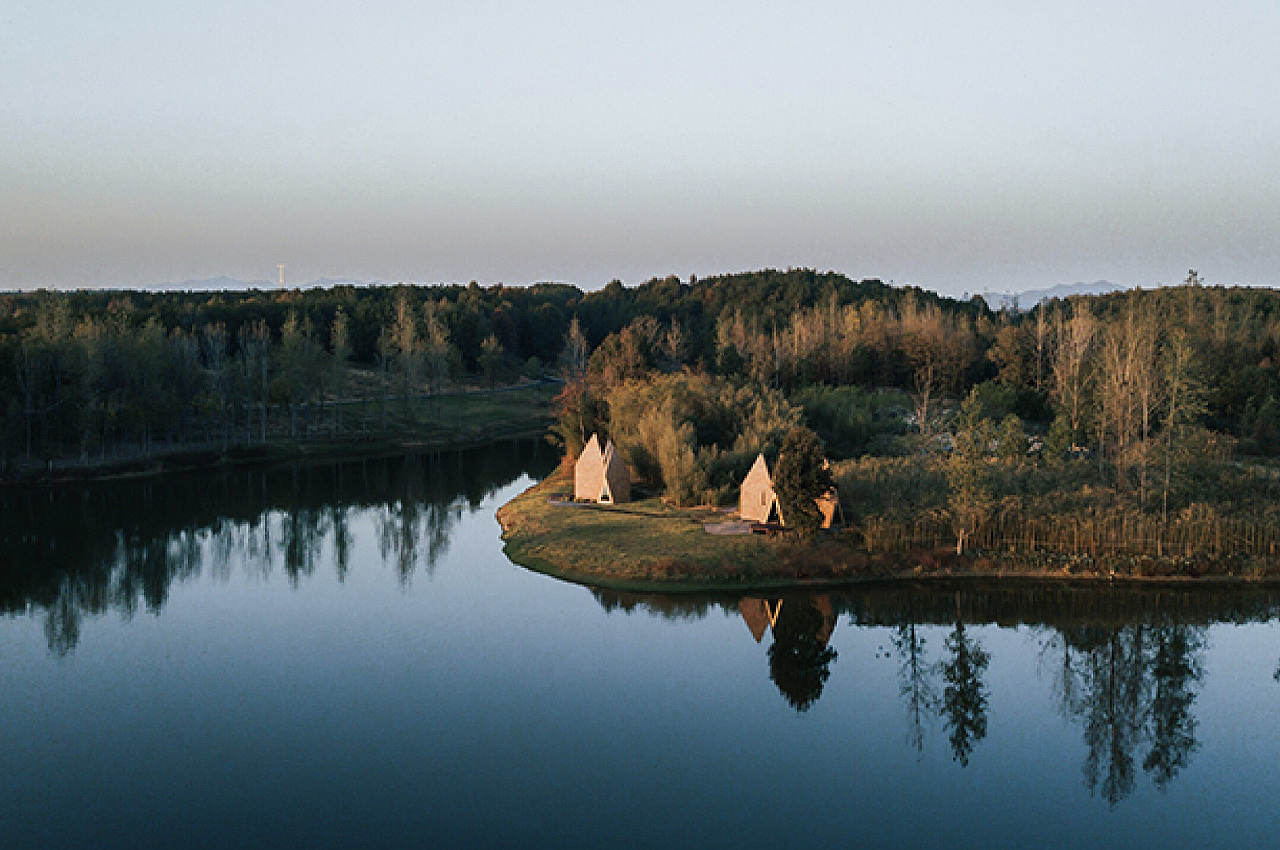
x=340, y=655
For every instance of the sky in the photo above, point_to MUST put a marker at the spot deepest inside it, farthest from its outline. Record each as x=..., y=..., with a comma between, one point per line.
x=965, y=147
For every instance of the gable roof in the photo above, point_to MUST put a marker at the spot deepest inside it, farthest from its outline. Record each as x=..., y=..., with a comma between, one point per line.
x=617, y=480
x=759, y=473
x=756, y=498
x=601, y=475
x=754, y=613
x=760, y=614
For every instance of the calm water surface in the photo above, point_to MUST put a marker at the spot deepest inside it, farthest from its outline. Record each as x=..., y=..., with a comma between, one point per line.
x=340, y=656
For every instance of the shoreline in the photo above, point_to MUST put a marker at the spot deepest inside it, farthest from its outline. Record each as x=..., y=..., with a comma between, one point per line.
x=584, y=546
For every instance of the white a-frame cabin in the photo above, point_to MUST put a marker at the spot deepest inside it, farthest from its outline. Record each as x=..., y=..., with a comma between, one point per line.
x=601, y=476
x=758, y=502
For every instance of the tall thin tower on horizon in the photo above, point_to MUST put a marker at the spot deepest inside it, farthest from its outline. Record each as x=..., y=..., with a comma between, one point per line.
x=280, y=275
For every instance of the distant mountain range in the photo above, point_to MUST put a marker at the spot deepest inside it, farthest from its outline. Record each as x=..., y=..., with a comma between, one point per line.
x=1032, y=297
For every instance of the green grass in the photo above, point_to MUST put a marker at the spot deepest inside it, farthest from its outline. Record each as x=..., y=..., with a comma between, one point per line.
x=457, y=416
x=457, y=419
x=649, y=545
x=527, y=404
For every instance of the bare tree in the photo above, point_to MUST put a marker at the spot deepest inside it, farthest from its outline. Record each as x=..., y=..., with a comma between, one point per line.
x=926, y=389
x=409, y=348
x=440, y=353
x=576, y=352
x=1040, y=334
x=340, y=356
x=1147, y=389
x=1126, y=386
x=1075, y=338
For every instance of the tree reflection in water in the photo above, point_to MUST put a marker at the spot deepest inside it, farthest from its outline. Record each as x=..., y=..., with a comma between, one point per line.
x=1133, y=690
x=1127, y=665
x=71, y=552
x=1177, y=669
x=964, y=699
x=800, y=657
x=916, y=680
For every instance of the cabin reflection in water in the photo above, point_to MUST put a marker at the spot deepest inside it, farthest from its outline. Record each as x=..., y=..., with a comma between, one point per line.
x=800, y=656
x=1124, y=666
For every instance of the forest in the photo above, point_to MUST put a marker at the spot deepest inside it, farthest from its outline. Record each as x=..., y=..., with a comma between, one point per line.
x=1142, y=422
x=93, y=374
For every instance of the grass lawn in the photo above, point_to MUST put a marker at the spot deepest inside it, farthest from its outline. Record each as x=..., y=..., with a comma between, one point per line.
x=525, y=405
x=649, y=545
x=466, y=415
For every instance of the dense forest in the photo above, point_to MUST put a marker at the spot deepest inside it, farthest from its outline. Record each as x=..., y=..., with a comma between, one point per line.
x=95, y=374
x=1133, y=409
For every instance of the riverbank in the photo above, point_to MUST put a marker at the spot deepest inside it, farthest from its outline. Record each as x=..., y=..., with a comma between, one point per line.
x=650, y=546
x=452, y=421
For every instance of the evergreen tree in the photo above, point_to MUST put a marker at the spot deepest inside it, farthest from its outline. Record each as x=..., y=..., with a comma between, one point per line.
x=801, y=477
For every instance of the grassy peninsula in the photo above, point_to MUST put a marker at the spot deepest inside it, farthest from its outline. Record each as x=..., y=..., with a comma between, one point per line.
x=652, y=545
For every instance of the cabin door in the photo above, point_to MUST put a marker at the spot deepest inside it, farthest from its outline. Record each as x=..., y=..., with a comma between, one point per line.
x=774, y=518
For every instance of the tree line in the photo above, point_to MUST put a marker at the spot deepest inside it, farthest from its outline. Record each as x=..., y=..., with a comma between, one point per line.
x=1120, y=376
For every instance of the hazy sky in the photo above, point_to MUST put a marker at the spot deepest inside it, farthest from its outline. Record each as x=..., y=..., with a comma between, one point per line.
x=962, y=146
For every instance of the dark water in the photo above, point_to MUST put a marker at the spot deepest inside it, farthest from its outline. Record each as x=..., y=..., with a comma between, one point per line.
x=341, y=656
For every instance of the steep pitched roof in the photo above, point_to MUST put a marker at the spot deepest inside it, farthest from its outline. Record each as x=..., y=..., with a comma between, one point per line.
x=601, y=475
x=754, y=613
x=588, y=472
x=756, y=497
x=757, y=500
x=759, y=614
x=617, y=480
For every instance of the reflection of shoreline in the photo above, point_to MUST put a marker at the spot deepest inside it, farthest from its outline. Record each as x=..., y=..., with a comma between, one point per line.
x=1046, y=604
x=1125, y=667
x=76, y=551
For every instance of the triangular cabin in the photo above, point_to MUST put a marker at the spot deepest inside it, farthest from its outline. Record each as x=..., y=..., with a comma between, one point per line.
x=759, y=614
x=762, y=615
x=601, y=476
x=757, y=501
